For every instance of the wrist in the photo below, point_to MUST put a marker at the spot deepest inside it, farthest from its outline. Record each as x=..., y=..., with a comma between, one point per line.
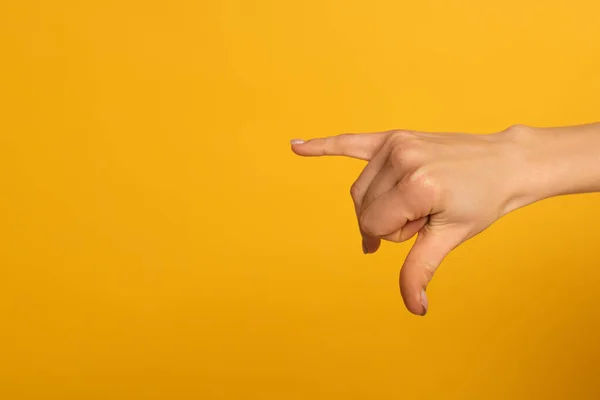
x=521, y=164
x=548, y=162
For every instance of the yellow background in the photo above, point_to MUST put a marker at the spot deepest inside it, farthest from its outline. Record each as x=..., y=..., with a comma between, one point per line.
x=158, y=239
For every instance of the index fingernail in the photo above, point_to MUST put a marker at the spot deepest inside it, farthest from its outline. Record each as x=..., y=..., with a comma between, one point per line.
x=296, y=141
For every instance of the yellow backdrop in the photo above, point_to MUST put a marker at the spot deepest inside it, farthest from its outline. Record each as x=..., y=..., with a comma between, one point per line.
x=159, y=240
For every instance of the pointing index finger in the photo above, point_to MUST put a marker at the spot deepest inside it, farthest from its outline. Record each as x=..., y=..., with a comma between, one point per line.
x=362, y=146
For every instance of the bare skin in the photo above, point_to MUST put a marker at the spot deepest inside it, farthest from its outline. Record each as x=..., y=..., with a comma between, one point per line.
x=448, y=187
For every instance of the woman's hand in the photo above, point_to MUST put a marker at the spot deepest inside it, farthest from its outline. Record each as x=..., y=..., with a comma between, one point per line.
x=447, y=187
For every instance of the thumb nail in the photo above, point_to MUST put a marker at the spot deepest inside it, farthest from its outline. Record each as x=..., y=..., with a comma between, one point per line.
x=424, y=301
x=296, y=141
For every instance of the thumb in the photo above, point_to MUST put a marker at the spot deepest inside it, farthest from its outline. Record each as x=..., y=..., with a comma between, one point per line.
x=428, y=252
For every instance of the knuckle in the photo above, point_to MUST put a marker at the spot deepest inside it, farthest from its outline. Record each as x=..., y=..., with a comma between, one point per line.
x=396, y=157
x=428, y=269
x=423, y=184
x=401, y=134
x=409, y=153
x=412, y=155
x=370, y=227
x=419, y=176
x=517, y=131
x=516, y=127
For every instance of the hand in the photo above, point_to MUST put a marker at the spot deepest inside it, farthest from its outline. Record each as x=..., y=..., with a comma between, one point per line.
x=447, y=187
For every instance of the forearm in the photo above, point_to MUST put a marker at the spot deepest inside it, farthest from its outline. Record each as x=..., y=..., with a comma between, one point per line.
x=558, y=161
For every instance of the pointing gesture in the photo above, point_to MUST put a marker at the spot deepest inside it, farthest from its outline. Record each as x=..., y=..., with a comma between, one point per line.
x=444, y=187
